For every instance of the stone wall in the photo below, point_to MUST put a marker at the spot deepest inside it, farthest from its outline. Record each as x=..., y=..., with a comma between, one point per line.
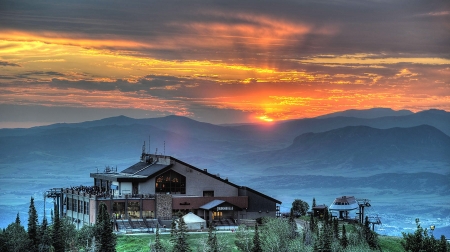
x=164, y=206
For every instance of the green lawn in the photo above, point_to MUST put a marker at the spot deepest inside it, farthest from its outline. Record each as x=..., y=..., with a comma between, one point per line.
x=391, y=244
x=138, y=243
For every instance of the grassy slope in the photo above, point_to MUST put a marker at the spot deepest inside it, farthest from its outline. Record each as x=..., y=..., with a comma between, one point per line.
x=389, y=243
x=138, y=243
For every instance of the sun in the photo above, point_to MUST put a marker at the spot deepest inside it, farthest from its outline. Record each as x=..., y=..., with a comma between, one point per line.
x=265, y=118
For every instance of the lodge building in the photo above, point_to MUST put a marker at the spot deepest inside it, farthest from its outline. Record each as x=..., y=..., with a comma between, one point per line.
x=156, y=188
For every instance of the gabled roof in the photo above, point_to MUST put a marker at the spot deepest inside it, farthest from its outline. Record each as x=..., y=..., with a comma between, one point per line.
x=212, y=204
x=142, y=171
x=225, y=180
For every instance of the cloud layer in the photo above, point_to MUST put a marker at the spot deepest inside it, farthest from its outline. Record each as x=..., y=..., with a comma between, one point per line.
x=241, y=60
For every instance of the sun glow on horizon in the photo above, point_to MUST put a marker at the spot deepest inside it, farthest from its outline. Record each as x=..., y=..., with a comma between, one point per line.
x=265, y=118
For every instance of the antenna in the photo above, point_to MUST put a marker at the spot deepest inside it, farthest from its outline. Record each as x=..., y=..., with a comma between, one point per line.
x=148, y=144
x=164, y=148
x=143, y=149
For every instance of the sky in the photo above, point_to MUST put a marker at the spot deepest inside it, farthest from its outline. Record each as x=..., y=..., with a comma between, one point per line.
x=219, y=61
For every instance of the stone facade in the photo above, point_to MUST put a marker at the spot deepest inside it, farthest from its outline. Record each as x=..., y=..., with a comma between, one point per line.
x=164, y=206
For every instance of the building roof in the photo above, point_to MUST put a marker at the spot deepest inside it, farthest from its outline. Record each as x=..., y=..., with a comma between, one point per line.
x=143, y=171
x=344, y=203
x=212, y=204
x=320, y=207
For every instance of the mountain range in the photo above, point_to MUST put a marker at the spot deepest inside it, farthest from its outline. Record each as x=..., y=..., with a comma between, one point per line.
x=377, y=152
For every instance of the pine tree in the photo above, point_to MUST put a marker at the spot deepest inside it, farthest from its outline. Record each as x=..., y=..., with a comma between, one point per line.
x=157, y=247
x=370, y=236
x=57, y=237
x=314, y=202
x=212, y=239
x=3, y=240
x=292, y=224
x=104, y=235
x=181, y=244
x=45, y=241
x=335, y=229
x=344, y=239
x=33, y=226
x=326, y=217
x=173, y=229
x=312, y=224
x=443, y=246
x=256, y=241
x=326, y=237
x=16, y=237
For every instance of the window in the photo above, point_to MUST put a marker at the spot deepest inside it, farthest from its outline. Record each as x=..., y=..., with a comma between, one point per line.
x=171, y=182
x=119, y=209
x=208, y=193
x=133, y=209
x=69, y=205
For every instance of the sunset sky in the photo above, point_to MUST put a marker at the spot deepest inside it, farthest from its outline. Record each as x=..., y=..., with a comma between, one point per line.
x=219, y=61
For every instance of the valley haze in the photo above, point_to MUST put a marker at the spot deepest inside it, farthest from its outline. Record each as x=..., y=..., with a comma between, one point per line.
x=400, y=160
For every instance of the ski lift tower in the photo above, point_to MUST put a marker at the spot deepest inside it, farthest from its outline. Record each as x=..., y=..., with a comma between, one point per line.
x=58, y=198
x=374, y=220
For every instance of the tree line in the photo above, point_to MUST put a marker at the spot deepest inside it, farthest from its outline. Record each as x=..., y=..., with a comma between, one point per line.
x=59, y=234
x=323, y=234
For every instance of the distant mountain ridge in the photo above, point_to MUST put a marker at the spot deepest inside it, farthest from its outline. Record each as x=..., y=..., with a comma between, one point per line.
x=356, y=148
x=390, y=156
x=369, y=113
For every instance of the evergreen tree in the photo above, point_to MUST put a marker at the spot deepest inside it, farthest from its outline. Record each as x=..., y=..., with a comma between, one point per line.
x=243, y=239
x=335, y=229
x=256, y=241
x=326, y=217
x=326, y=237
x=173, y=229
x=33, y=234
x=85, y=237
x=181, y=236
x=3, y=240
x=344, y=239
x=292, y=225
x=212, y=239
x=45, y=235
x=16, y=238
x=57, y=237
x=443, y=245
x=371, y=237
x=314, y=202
x=312, y=224
x=104, y=236
x=157, y=247
x=69, y=233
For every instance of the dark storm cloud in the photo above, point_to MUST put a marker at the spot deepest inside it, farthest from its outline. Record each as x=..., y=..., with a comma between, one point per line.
x=5, y=63
x=359, y=26
x=164, y=86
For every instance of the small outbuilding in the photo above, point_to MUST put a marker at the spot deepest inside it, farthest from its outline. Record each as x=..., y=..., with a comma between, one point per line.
x=194, y=222
x=319, y=211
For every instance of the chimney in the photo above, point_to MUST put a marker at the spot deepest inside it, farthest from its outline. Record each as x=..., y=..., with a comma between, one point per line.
x=205, y=170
